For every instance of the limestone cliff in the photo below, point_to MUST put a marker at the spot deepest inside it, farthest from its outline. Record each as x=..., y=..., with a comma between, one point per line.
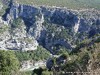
x=52, y=27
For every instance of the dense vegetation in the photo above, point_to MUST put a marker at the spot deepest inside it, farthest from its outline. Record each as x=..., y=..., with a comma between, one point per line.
x=56, y=32
x=10, y=60
x=36, y=55
x=9, y=63
x=87, y=59
x=75, y=4
x=16, y=23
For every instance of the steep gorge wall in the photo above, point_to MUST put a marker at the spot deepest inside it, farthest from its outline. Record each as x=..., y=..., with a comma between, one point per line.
x=78, y=25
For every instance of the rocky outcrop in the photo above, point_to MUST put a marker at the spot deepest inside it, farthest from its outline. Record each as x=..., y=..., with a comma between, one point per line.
x=73, y=26
x=56, y=60
x=32, y=65
x=15, y=39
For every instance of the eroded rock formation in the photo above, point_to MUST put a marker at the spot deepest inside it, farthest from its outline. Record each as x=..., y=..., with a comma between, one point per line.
x=69, y=27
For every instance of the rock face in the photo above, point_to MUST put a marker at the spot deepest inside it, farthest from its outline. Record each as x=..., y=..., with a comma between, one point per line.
x=15, y=39
x=49, y=26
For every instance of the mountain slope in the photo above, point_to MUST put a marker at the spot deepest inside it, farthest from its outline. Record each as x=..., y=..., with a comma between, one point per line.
x=74, y=4
x=51, y=27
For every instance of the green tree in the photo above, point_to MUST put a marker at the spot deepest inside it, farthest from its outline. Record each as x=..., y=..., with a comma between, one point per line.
x=16, y=23
x=47, y=73
x=9, y=64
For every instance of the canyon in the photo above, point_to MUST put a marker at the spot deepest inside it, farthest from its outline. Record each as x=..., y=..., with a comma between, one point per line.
x=48, y=26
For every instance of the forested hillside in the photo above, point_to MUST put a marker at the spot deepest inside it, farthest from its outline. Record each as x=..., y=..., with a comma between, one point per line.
x=74, y=4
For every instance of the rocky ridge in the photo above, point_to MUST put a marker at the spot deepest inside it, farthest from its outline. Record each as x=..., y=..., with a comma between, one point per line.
x=67, y=27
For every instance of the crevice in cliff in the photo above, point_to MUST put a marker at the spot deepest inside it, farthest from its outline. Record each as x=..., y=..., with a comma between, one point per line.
x=7, y=11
